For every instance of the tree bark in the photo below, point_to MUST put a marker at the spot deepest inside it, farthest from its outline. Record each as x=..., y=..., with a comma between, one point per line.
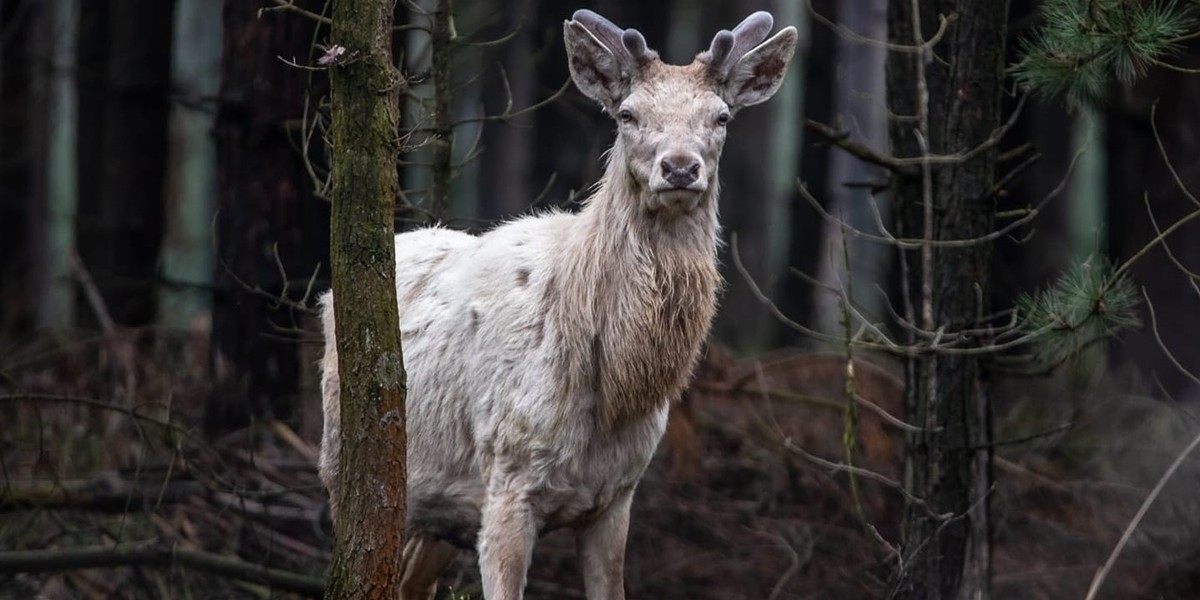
x=947, y=538
x=371, y=489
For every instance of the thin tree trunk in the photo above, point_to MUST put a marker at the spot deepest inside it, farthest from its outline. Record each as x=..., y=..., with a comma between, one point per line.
x=371, y=495
x=186, y=260
x=55, y=242
x=418, y=101
x=796, y=296
x=786, y=134
x=441, y=26
x=947, y=537
x=859, y=110
x=507, y=169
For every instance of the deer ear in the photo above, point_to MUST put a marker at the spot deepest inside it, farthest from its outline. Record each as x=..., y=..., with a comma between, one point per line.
x=594, y=68
x=757, y=75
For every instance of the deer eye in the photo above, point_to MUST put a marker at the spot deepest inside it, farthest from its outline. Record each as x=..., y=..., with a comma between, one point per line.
x=723, y=119
x=625, y=115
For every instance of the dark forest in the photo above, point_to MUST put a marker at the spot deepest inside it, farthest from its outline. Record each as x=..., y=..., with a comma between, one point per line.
x=960, y=280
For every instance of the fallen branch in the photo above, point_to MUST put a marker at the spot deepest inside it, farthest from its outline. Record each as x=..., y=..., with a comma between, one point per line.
x=103, y=494
x=160, y=554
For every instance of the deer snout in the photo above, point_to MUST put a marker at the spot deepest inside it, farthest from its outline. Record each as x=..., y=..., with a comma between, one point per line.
x=680, y=170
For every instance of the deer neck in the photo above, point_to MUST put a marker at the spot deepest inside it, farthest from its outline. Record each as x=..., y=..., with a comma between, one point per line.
x=640, y=295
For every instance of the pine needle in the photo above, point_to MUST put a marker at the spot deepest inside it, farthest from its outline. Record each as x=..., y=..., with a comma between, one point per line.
x=1090, y=302
x=1084, y=45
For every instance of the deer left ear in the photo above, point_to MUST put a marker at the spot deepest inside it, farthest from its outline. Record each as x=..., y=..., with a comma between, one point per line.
x=757, y=75
x=595, y=69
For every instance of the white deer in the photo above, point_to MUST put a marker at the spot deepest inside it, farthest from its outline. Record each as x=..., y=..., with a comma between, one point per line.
x=543, y=355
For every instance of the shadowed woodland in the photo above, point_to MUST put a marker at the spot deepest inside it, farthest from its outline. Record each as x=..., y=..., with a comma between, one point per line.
x=1018, y=245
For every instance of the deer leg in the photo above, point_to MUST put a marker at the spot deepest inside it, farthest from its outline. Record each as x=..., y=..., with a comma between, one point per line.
x=506, y=537
x=423, y=561
x=601, y=547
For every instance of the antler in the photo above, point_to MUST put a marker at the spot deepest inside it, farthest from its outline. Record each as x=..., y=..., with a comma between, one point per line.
x=628, y=45
x=730, y=46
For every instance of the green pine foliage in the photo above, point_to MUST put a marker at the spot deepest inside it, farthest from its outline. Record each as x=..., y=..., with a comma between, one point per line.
x=1083, y=45
x=1090, y=302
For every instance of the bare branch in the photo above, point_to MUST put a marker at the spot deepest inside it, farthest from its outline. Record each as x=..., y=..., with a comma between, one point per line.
x=842, y=140
x=943, y=23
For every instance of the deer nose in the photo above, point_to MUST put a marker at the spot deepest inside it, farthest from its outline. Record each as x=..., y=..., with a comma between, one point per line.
x=680, y=170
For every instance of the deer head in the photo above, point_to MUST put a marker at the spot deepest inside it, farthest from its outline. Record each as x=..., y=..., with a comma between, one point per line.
x=671, y=119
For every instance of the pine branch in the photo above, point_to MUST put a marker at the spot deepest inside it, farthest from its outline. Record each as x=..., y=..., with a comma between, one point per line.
x=1085, y=45
x=1090, y=302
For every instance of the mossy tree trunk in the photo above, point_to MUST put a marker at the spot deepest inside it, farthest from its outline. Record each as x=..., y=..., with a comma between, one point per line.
x=952, y=101
x=371, y=484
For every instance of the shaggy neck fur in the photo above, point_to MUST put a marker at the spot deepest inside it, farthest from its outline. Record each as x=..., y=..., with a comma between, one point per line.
x=637, y=296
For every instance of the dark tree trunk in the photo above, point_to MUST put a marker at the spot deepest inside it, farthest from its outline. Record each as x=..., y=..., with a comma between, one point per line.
x=750, y=200
x=120, y=216
x=946, y=539
x=796, y=295
x=1139, y=175
x=506, y=169
x=265, y=205
x=371, y=485
x=1020, y=266
x=20, y=111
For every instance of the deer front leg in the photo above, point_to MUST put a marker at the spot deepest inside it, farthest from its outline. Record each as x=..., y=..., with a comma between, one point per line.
x=601, y=547
x=506, y=537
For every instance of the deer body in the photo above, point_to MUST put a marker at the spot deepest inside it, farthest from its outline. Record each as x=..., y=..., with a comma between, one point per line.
x=544, y=354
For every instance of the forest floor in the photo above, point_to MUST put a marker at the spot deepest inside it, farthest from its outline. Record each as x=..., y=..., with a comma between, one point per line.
x=103, y=460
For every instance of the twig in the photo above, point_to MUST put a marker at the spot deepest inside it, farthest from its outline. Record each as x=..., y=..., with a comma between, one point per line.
x=794, y=564
x=1162, y=345
x=290, y=5
x=861, y=472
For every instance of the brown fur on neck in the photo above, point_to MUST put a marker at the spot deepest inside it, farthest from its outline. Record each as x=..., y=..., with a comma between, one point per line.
x=639, y=292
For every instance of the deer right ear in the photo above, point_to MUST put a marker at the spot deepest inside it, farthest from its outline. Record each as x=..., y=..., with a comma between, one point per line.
x=594, y=68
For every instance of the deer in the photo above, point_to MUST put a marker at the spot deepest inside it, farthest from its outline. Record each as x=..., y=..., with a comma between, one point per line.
x=543, y=355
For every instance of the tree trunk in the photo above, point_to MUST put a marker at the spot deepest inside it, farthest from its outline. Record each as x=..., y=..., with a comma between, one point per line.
x=947, y=539
x=506, y=172
x=187, y=258
x=858, y=86
x=265, y=209
x=371, y=495
x=55, y=212
x=120, y=219
x=755, y=201
x=441, y=28
x=806, y=225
